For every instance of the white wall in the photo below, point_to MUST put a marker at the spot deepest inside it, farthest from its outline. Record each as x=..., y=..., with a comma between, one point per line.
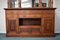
x=3, y=4
x=57, y=16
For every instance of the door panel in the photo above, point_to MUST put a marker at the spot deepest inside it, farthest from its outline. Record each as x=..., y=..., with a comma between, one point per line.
x=12, y=25
x=47, y=25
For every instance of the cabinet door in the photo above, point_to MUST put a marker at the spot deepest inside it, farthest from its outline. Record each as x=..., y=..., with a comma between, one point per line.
x=12, y=25
x=48, y=25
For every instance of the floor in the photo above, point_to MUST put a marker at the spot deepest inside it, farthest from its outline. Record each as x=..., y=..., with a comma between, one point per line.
x=3, y=37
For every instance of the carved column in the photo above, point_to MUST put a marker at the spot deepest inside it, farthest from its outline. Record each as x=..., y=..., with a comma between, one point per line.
x=9, y=3
x=19, y=3
x=34, y=3
x=40, y=3
x=50, y=3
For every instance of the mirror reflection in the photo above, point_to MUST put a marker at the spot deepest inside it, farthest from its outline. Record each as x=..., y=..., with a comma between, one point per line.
x=15, y=4
x=26, y=3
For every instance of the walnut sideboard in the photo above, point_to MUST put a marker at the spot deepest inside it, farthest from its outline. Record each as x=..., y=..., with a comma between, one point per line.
x=30, y=22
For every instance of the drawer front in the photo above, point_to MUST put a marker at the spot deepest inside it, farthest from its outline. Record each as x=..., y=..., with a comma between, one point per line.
x=48, y=13
x=29, y=14
x=11, y=14
x=36, y=30
x=32, y=30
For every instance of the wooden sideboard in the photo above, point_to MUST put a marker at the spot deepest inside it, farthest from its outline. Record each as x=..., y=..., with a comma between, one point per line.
x=43, y=17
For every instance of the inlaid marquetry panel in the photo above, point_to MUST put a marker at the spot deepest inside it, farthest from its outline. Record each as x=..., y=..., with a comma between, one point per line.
x=29, y=14
x=12, y=14
x=25, y=30
x=36, y=30
x=47, y=13
x=29, y=30
x=12, y=25
x=48, y=25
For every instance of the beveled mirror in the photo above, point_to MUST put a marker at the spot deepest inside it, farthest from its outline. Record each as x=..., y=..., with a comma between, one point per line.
x=26, y=3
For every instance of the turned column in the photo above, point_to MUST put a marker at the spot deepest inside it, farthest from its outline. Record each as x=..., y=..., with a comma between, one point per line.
x=34, y=3
x=9, y=3
x=40, y=3
x=19, y=3
x=50, y=4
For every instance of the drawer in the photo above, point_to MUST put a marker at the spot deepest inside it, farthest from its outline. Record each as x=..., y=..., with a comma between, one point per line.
x=36, y=31
x=29, y=14
x=11, y=14
x=25, y=30
x=48, y=13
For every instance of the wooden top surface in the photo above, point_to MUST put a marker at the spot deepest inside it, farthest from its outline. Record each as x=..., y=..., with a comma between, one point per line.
x=29, y=8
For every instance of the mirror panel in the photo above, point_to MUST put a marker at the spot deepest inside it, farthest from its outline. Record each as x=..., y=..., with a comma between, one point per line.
x=14, y=4
x=30, y=3
x=26, y=3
